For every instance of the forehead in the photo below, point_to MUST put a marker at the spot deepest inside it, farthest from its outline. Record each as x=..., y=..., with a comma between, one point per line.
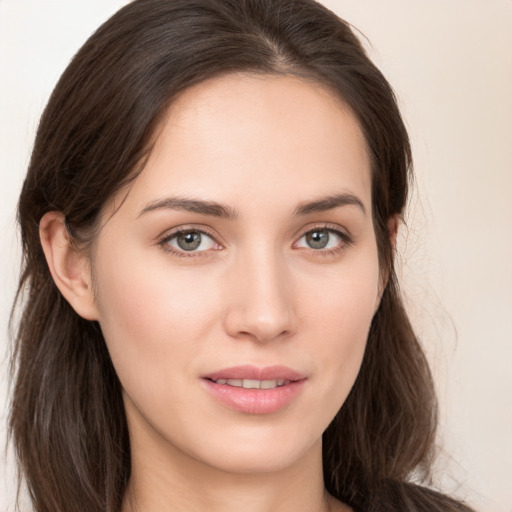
x=260, y=134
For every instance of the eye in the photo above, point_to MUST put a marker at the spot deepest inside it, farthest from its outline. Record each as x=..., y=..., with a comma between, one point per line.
x=189, y=241
x=320, y=239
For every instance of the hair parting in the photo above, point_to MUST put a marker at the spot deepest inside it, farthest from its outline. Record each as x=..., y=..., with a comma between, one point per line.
x=67, y=419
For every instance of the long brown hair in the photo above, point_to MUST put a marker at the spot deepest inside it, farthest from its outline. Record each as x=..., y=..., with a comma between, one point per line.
x=67, y=419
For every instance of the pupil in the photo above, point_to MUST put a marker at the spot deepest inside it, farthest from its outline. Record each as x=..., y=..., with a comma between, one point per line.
x=317, y=239
x=189, y=241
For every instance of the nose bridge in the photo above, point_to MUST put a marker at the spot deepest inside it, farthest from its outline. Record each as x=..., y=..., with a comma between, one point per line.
x=262, y=303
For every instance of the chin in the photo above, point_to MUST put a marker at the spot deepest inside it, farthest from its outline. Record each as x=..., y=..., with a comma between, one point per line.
x=253, y=456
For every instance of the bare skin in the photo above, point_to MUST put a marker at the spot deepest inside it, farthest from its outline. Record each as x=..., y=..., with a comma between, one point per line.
x=284, y=272
x=297, y=489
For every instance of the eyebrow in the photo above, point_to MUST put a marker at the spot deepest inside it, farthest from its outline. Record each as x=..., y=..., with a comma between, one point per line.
x=210, y=208
x=329, y=203
x=214, y=209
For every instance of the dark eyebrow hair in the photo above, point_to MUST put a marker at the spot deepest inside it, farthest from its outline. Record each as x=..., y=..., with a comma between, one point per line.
x=328, y=203
x=190, y=205
x=218, y=210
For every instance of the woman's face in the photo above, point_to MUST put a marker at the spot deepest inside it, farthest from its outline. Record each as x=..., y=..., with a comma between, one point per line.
x=236, y=283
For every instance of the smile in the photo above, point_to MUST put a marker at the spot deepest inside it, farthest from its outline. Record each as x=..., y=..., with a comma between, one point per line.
x=255, y=390
x=252, y=383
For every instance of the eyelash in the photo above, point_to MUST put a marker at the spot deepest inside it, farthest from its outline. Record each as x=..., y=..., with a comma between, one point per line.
x=164, y=242
x=346, y=241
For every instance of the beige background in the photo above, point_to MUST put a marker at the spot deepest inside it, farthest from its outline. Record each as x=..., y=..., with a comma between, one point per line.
x=451, y=65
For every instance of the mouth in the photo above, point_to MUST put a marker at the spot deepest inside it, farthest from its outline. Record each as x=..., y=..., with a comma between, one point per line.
x=275, y=375
x=252, y=383
x=254, y=390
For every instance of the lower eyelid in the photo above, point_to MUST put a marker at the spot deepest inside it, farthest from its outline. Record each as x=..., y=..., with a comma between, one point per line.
x=165, y=240
x=345, y=239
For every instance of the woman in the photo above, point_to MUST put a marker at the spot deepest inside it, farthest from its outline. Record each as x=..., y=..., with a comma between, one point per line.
x=212, y=318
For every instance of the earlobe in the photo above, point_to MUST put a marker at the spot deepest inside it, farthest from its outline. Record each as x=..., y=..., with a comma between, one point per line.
x=70, y=270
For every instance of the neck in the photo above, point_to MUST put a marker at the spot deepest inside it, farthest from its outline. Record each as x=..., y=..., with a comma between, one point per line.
x=165, y=480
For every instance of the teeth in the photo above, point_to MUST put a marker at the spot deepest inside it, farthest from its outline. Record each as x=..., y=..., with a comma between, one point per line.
x=269, y=384
x=253, y=384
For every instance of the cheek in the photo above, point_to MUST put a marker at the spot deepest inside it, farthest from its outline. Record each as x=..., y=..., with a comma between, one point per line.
x=345, y=300
x=341, y=316
x=151, y=318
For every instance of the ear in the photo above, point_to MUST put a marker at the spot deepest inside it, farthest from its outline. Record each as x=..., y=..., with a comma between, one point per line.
x=69, y=269
x=393, y=225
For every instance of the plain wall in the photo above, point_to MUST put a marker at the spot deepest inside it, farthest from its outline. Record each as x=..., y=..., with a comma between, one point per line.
x=451, y=66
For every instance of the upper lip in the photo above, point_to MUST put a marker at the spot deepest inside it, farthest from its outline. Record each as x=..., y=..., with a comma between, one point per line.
x=255, y=373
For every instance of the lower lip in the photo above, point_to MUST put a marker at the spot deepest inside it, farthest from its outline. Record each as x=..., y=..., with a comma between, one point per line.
x=255, y=401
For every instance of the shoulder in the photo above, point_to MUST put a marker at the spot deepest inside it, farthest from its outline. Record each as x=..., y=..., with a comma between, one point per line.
x=394, y=496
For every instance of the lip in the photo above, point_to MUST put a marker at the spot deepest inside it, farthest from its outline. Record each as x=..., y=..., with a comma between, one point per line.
x=255, y=401
x=253, y=372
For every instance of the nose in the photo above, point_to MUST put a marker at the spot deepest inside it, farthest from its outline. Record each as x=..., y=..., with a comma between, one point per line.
x=261, y=301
